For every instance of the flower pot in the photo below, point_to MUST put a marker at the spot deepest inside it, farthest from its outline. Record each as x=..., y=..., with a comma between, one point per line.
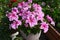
x=29, y=37
x=53, y=34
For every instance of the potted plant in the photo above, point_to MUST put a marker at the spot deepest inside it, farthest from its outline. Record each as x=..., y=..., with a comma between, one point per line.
x=28, y=19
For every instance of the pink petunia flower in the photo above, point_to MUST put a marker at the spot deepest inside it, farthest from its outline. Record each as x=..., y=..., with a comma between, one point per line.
x=25, y=15
x=20, y=5
x=24, y=5
x=44, y=26
x=50, y=20
x=37, y=7
x=12, y=16
x=31, y=20
x=15, y=9
x=40, y=16
x=15, y=24
x=29, y=1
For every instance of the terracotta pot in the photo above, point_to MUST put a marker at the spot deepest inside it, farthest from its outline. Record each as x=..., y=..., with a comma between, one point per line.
x=53, y=34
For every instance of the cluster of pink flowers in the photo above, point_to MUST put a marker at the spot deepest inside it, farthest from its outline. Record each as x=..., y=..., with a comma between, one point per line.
x=30, y=14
